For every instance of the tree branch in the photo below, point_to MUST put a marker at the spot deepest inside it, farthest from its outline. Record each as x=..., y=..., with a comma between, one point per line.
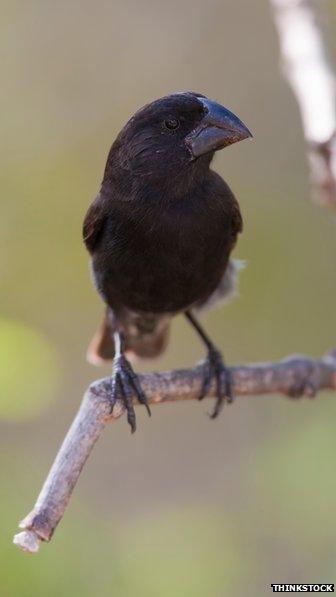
x=309, y=73
x=292, y=377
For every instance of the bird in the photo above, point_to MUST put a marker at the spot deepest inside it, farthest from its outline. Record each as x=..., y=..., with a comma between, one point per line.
x=160, y=234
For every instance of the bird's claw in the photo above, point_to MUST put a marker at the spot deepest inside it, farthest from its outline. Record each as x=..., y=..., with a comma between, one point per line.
x=303, y=388
x=214, y=367
x=125, y=383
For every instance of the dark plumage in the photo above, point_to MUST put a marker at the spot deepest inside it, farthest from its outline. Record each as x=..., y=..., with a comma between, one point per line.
x=161, y=231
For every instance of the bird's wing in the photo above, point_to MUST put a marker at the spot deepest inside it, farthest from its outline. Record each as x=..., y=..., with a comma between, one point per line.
x=227, y=287
x=236, y=220
x=94, y=223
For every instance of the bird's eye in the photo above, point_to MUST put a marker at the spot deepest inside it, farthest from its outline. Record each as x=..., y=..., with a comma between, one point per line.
x=172, y=123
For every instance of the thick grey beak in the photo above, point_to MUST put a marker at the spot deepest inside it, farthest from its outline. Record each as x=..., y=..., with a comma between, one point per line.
x=218, y=128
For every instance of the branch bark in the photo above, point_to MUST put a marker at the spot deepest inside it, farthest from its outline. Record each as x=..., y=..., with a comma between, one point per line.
x=291, y=377
x=306, y=67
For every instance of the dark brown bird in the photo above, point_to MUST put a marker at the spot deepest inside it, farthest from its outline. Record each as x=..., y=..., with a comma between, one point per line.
x=160, y=234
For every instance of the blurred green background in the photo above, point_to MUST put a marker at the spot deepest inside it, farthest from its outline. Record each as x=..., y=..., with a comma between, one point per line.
x=185, y=507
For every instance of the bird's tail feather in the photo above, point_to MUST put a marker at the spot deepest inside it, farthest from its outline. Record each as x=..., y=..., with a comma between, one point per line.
x=145, y=337
x=101, y=347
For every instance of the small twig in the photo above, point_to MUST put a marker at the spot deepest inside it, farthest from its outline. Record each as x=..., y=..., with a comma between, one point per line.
x=309, y=73
x=291, y=377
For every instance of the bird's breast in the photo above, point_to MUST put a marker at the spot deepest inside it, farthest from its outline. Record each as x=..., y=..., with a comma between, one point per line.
x=164, y=264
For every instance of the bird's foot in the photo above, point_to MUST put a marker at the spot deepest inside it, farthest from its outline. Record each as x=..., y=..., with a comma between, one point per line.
x=303, y=388
x=125, y=383
x=214, y=367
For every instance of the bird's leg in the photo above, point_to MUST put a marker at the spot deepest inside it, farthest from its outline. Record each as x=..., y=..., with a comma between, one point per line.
x=214, y=368
x=125, y=382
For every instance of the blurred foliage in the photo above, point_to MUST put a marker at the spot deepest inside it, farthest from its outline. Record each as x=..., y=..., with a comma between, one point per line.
x=183, y=554
x=185, y=506
x=29, y=371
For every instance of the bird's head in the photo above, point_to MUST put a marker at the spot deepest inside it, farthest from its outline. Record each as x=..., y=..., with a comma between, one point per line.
x=174, y=136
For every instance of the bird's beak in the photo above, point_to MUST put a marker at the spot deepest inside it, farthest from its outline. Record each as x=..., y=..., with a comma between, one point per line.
x=218, y=128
